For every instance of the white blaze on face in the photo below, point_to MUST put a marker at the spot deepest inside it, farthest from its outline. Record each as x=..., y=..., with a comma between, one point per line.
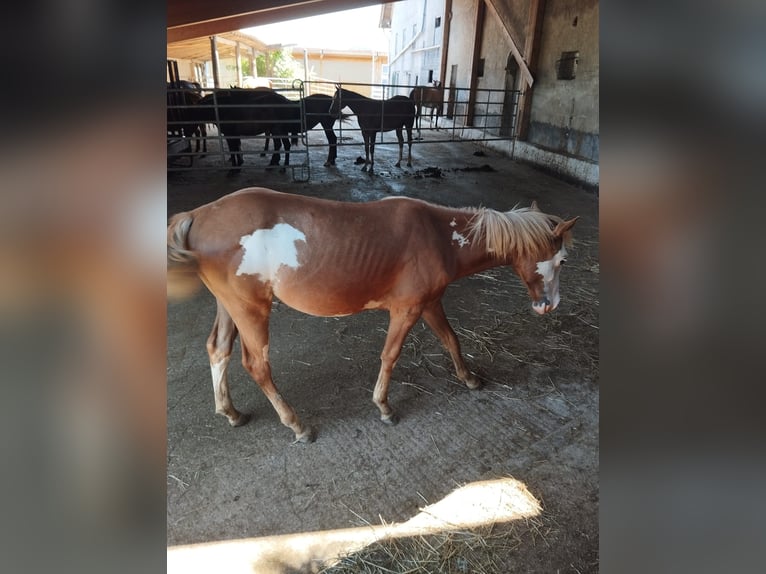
x=550, y=272
x=265, y=251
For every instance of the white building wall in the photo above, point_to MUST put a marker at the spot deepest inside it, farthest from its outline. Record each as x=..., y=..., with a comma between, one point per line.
x=415, y=43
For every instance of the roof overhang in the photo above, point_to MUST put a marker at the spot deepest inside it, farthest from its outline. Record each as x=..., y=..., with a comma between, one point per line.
x=187, y=19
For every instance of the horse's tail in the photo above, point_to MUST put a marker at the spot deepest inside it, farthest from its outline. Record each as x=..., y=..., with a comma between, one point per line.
x=183, y=280
x=344, y=118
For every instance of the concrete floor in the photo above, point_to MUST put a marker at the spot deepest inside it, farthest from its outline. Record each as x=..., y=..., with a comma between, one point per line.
x=536, y=418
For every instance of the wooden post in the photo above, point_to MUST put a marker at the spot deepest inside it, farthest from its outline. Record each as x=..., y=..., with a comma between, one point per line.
x=214, y=58
x=237, y=56
x=477, y=39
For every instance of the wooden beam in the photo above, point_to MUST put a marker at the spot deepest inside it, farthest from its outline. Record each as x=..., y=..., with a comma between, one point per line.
x=445, y=40
x=526, y=75
x=477, y=40
x=532, y=50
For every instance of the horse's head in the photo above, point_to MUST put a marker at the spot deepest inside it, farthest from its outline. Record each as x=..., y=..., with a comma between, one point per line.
x=335, y=106
x=540, y=272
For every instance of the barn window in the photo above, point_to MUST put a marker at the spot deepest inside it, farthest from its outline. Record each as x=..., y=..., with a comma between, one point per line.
x=480, y=68
x=438, y=22
x=430, y=76
x=566, y=66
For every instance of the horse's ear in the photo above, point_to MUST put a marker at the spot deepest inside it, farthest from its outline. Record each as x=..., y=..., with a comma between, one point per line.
x=564, y=227
x=534, y=207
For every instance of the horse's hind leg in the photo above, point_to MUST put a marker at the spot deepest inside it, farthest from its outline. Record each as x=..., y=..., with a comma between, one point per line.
x=255, y=358
x=437, y=320
x=409, y=146
x=219, y=346
x=400, y=139
x=399, y=325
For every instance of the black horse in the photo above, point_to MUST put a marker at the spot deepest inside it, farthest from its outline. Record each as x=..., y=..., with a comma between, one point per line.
x=251, y=113
x=182, y=120
x=376, y=116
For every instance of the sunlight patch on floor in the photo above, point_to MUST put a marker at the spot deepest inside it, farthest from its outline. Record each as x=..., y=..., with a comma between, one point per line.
x=471, y=506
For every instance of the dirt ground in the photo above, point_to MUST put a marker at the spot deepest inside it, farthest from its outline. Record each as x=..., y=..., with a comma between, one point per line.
x=535, y=419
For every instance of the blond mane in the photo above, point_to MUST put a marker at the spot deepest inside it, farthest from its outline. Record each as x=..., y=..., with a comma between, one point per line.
x=523, y=231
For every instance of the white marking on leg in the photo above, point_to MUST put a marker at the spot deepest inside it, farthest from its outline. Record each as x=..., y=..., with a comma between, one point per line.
x=265, y=251
x=461, y=239
x=218, y=371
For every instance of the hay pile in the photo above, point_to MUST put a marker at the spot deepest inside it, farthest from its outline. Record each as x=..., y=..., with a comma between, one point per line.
x=490, y=550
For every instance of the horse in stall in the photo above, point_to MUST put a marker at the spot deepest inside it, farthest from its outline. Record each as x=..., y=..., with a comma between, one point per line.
x=376, y=116
x=330, y=258
x=428, y=97
x=250, y=113
x=181, y=119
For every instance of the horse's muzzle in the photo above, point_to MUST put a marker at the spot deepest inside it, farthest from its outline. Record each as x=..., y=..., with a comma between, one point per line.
x=544, y=305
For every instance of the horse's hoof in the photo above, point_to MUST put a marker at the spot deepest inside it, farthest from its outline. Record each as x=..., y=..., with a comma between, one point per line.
x=472, y=382
x=398, y=164
x=390, y=420
x=242, y=419
x=409, y=164
x=307, y=436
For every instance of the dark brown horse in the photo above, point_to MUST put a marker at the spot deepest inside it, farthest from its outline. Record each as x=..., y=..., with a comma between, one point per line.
x=428, y=97
x=376, y=116
x=330, y=258
x=239, y=112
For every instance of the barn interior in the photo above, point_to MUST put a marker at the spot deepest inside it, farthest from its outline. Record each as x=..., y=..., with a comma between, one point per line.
x=501, y=479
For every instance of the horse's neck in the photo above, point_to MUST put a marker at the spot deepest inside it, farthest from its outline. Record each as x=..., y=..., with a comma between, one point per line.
x=470, y=252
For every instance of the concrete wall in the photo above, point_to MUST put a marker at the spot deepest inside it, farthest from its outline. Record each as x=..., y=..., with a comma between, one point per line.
x=564, y=116
x=564, y=125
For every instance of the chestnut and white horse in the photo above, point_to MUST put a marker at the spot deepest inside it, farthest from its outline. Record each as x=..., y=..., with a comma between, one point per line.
x=331, y=258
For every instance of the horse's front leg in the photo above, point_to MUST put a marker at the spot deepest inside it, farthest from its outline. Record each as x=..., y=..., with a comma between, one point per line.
x=436, y=318
x=277, y=147
x=265, y=144
x=332, y=139
x=235, y=149
x=287, y=144
x=400, y=323
x=372, y=154
x=255, y=358
x=366, y=151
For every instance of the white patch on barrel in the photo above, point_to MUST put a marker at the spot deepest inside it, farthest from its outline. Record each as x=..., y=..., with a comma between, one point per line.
x=453, y=223
x=266, y=250
x=462, y=240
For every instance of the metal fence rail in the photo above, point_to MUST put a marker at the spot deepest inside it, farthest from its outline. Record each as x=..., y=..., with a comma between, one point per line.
x=481, y=115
